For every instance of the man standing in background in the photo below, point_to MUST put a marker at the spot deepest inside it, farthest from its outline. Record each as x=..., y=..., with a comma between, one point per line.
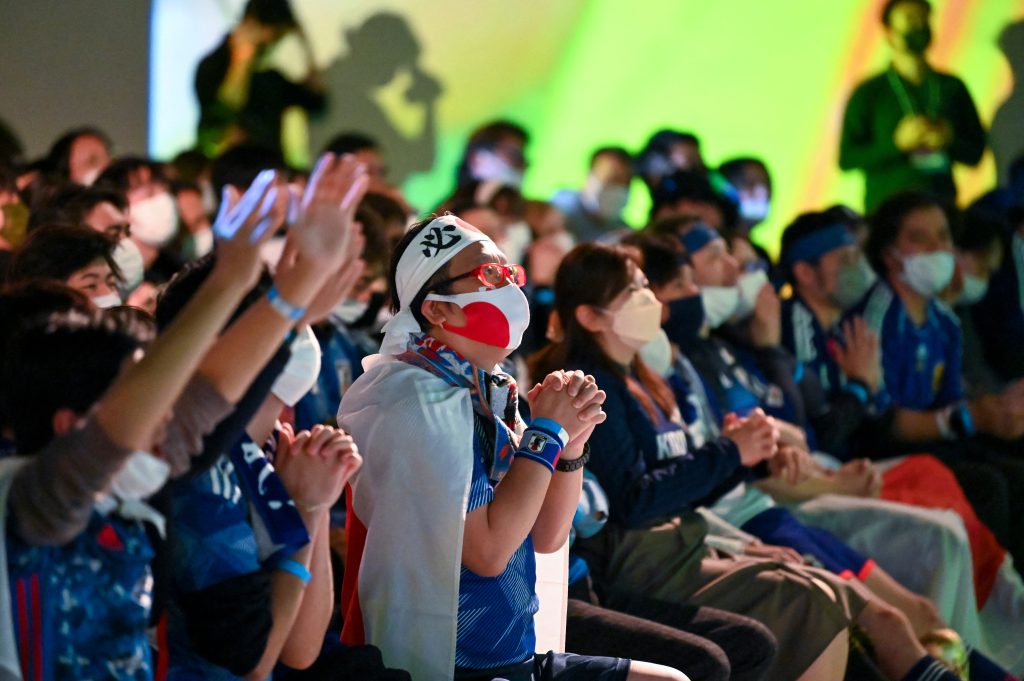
x=241, y=99
x=906, y=126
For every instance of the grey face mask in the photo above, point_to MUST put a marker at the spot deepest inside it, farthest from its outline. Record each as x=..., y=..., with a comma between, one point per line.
x=853, y=282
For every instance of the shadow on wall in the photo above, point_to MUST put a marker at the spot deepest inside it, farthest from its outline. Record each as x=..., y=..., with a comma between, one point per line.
x=1007, y=135
x=382, y=53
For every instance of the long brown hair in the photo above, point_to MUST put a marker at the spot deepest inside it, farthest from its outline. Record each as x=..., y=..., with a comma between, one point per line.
x=594, y=274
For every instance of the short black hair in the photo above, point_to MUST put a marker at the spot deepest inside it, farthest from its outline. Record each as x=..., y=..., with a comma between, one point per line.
x=432, y=283
x=118, y=175
x=59, y=157
x=979, y=231
x=732, y=170
x=487, y=136
x=271, y=13
x=890, y=6
x=72, y=203
x=239, y=166
x=58, y=251
x=350, y=143
x=619, y=153
x=66, y=361
x=885, y=223
x=663, y=256
x=680, y=185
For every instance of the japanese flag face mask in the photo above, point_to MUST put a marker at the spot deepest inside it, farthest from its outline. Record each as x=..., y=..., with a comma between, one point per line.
x=497, y=317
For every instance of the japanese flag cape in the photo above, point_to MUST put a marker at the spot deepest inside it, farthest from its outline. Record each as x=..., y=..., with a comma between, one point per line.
x=407, y=510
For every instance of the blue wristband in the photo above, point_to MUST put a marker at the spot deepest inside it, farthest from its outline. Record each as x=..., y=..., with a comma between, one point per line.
x=296, y=568
x=966, y=420
x=552, y=428
x=858, y=390
x=540, y=447
x=283, y=307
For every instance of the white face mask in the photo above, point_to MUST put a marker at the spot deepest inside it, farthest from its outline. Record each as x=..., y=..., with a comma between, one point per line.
x=154, y=219
x=497, y=317
x=202, y=243
x=90, y=176
x=301, y=371
x=755, y=204
x=750, y=285
x=106, y=301
x=348, y=311
x=973, y=291
x=129, y=261
x=637, y=322
x=486, y=165
x=658, y=354
x=928, y=273
x=606, y=200
x=141, y=476
x=720, y=303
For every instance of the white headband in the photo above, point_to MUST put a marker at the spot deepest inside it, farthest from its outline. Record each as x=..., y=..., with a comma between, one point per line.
x=436, y=244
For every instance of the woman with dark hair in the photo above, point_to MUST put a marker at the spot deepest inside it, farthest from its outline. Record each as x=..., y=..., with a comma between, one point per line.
x=80, y=155
x=654, y=543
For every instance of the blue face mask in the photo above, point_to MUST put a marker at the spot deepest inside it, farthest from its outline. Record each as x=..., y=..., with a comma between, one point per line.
x=685, y=320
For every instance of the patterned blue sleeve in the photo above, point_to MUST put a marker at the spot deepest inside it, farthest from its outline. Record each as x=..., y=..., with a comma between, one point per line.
x=481, y=491
x=213, y=539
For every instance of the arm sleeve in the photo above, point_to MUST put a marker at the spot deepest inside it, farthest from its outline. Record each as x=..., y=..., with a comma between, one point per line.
x=834, y=418
x=638, y=495
x=196, y=413
x=862, y=146
x=952, y=388
x=210, y=75
x=968, y=144
x=298, y=94
x=52, y=495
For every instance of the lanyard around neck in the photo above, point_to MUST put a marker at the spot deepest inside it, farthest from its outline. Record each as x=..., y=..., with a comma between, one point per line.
x=931, y=108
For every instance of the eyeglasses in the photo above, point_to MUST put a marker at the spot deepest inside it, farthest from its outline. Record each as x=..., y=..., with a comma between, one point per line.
x=120, y=230
x=492, y=274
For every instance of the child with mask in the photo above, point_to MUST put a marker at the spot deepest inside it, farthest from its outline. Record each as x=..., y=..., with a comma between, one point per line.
x=441, y=568
x=76, y=584
x=654, y=543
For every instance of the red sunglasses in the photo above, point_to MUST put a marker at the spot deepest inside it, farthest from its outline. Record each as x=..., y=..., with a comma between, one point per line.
x=492, y=274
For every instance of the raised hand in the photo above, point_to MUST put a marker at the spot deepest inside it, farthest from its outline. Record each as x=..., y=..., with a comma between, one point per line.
x=766, y=324
x=326, y=221
x=859, y=355
x=244, y=224
x=756, y=436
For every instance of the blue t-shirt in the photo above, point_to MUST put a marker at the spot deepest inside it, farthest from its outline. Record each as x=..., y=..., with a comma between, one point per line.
x=495, y=618
x=805, y=337
x=921, y=365
x=340, y=365
x=81, y=610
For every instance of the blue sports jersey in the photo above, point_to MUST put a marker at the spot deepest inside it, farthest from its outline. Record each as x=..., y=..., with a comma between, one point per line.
x=341, y=364
x=920, y=364
x=81, y=610
x=804, y=336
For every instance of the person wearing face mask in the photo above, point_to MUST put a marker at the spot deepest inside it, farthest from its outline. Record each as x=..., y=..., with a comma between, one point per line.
x=910, y=247
x=495, y=151
x=80, y=155
x=152, y=212
x=595, y=212
x=457, y=492
x=654, y=475
x=77, y=256
x=667, y=152
x=906, y=127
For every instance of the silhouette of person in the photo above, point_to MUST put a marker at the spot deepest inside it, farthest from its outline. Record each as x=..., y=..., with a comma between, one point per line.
x=377, y=52
x=1007, y=133
x=905, y=127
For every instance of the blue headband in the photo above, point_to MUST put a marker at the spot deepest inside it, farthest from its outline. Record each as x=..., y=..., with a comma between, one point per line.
x=817, y=244
x=697, y=237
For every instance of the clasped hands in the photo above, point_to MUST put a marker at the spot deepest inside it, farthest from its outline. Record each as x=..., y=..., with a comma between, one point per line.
x=573, y=400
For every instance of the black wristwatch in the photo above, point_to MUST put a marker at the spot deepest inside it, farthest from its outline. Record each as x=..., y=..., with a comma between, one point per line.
x=575, y=464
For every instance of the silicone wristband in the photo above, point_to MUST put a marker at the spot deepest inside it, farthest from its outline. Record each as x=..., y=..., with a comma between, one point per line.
x=965, y=423
x=552, y=428
x=296, y=568
x=858, y=390
x=541, y=447
x=283, y=307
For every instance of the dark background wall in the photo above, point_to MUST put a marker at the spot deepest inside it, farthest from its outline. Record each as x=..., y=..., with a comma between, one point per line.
x=68, y=62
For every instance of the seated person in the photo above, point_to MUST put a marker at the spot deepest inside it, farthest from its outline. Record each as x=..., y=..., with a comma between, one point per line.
x=595, y=212
x=77, y=256
x=441, y=568
x=654, y=543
